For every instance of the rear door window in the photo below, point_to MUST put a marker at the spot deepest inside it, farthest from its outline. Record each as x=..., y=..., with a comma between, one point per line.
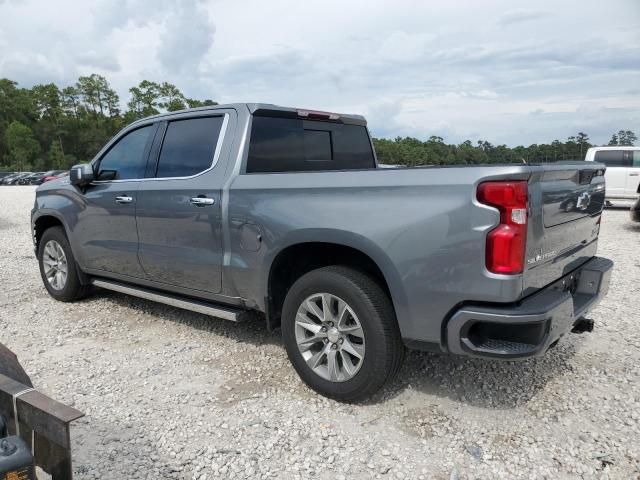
x=297, y=145
x=189, y=146
x=613, y=158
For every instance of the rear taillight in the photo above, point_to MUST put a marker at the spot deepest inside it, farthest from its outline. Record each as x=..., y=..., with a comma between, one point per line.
x=506, y=243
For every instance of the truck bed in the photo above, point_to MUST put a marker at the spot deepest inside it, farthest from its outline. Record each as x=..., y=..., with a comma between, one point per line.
x=424, y=227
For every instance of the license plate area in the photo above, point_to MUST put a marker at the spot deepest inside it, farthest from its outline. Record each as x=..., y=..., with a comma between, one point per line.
x=586, y=284
x=568, y=283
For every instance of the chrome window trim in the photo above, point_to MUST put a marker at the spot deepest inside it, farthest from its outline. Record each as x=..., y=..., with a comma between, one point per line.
x=214, y=161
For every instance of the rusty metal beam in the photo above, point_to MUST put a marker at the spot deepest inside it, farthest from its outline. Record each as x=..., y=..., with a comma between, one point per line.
x=10, y=366
x=43, y=422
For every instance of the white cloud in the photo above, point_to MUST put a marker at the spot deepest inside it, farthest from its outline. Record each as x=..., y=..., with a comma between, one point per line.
x=101, y=60
x=187, y=36
x=403, y=47
x=455, y=69
x=520, y=15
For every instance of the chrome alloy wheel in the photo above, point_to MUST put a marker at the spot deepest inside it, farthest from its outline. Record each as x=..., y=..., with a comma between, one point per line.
x=54, y=262
x=330, y=337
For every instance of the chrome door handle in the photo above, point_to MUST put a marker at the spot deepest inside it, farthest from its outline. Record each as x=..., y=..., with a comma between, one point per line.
x=202, y=201
x=634, y=174
x=123, y=199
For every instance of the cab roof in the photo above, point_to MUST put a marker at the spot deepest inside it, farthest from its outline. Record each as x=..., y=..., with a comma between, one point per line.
x=271, y=110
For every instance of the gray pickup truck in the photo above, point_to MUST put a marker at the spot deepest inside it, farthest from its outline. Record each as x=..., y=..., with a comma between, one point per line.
x=257, y=208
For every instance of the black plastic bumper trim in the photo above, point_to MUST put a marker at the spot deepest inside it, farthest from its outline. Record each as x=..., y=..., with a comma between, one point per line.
x=559, y=305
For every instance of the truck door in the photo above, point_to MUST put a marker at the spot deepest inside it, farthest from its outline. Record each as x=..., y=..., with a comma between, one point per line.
x=179, y=205
x=106, y=224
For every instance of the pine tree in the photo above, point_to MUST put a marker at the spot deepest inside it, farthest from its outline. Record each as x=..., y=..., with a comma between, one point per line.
x=56, y=158
x=23, y=147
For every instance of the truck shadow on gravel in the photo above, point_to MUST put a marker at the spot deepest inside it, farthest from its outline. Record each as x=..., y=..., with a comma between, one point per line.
x=476, y=382
x=482, y=383
x=252, y=331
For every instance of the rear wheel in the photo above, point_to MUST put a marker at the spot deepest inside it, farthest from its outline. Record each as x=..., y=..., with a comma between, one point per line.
x=58, y=266
x=341, y=334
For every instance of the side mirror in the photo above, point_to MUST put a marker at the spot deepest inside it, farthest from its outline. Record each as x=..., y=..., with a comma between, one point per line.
x=81, y=175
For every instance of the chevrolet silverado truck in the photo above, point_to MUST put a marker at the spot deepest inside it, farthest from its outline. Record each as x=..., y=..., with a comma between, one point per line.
x=237, y=208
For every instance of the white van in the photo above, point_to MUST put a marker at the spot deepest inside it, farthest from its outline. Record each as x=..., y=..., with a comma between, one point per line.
x=623, y=170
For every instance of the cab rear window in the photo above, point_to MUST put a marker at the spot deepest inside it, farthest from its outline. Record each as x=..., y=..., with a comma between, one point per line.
x=297, y=145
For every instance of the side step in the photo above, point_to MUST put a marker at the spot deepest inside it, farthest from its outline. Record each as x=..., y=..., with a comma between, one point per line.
x=226, y=313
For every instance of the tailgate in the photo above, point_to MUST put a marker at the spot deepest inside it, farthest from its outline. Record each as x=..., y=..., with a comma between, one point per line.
x=566, y=201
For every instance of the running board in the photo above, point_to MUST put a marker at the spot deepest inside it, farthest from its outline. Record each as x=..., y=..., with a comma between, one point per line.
x=226, y=313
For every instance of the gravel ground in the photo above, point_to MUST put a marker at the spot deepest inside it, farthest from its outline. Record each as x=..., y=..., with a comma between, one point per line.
x=173, y=394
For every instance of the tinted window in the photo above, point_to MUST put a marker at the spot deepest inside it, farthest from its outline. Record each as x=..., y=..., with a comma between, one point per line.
x=126, y=158
x=189, y=146
x=290, y=145
x=636, y=158
x=317, y=145
x=612, y=158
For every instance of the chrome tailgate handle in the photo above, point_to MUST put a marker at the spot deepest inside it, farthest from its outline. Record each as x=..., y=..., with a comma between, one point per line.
x=202, y=201
x=123, y=199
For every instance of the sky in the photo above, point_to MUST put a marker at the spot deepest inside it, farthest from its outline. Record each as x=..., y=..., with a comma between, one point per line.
x=508, y=72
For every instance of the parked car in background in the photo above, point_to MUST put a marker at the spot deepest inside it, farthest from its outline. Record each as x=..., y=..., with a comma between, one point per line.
x=7, y=178
x=26, y=180
x=286, y=212
x=57, y=174
x=22, y=178
x=623, y=170
x=5, y=175
x=38, y=178
x=29, y=178
x=635, y=211
x=13, y=179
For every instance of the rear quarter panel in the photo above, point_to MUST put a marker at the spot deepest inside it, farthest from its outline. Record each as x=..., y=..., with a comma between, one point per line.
x=423, y=227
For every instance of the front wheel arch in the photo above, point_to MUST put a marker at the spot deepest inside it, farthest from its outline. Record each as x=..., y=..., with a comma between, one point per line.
x=43, y=223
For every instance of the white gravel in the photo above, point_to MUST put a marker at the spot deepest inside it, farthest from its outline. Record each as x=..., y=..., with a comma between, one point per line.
x=173, y=394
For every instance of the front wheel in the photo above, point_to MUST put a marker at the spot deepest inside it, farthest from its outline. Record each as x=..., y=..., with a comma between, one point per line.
x=341, y=333
x=58, y=266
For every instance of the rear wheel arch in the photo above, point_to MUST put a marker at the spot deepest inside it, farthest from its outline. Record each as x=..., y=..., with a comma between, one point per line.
x=297, y=259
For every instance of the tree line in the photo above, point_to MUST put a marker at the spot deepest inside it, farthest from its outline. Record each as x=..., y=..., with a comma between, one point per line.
x=47, y=127
x=434, y=151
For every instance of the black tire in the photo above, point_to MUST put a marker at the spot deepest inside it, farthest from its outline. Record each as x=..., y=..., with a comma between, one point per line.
x=73, y=288
x=384, y=351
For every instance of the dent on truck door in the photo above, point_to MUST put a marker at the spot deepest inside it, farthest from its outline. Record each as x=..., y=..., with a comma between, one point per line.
x=179, y=212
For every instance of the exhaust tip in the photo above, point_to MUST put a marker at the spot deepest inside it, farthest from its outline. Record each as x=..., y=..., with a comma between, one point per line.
x=583, y=325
